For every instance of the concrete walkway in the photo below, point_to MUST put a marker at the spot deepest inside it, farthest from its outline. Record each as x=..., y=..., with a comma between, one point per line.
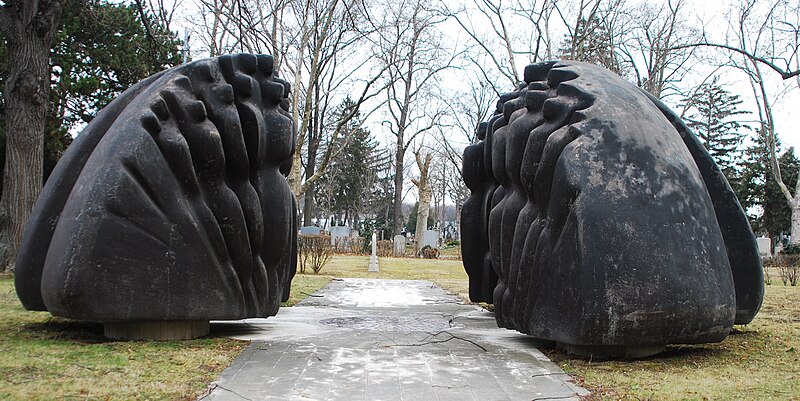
x=369, y=339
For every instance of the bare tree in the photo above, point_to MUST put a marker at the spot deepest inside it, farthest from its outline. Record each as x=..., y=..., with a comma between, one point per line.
x=466, y=110
x=595, y=33
x=425, y=192
x=318, y=47
x=28, y=27
x=413, y=54
x=769, y=38
x=655, y=50
x=507, y=33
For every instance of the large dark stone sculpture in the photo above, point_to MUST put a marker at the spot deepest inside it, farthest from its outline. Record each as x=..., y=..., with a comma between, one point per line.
x=171, y=206
x=601, y=222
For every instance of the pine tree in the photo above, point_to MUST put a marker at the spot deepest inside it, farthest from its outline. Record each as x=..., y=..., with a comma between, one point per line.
x=756, y=189
x=713, y=113
x=777, y=214
x=349, y=187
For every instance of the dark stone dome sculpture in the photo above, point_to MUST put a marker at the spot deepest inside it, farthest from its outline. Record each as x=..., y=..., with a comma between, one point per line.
x=597, y=220
x=171, y=208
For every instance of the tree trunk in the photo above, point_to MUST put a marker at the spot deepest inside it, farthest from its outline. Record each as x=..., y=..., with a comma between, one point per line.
x=794, y=204
x=425, y=194
x=398, y=186
x=308, y=207
x=28, y=27
x=311, y=163
x=459, y=206
x=423, y=210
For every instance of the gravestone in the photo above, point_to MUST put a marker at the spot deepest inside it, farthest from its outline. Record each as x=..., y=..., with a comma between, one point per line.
x=339, y=232
x=399, y=245
x=584, y=188
x=778, y=248
x=764, y=246
x=373, y=259
x=430, y=238
x=171, y=208
x=310, y=230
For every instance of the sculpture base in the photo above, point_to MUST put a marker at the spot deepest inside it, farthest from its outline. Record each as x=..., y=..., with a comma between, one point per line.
x=613, y=351
x=156, y=330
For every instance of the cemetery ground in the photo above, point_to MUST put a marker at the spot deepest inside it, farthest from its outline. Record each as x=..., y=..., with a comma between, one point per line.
x=45, y=358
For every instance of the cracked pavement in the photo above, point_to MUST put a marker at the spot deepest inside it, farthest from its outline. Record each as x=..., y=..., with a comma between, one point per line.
x=373, y=339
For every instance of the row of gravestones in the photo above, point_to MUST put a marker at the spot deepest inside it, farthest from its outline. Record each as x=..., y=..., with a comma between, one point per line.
x=172, y=208
x=430, y=237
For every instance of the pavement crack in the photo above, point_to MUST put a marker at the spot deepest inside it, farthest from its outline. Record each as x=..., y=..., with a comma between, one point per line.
x=564, y=397
x=452, y=337
x=216, y=386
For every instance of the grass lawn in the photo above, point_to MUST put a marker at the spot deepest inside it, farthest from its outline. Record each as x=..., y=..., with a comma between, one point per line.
x=46, y=358
x=760, y=361
x=448, y=274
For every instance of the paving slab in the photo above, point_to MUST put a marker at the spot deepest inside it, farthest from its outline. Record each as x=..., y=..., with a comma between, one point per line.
x=373, y=339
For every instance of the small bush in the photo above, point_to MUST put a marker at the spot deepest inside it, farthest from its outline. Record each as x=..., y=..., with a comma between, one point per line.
x=769, y=263
x=788, y=266
x=350, y=245
x=453, y=242
x=384, y=248
x=429, y=252
x=313, y=251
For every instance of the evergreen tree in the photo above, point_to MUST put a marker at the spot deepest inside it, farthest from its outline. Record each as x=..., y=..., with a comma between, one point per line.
x=756, y=189
x=749, y=183
x=99, y=50
x=713, y=113
x=349, y=187
x=411, y=225
x=777, y=214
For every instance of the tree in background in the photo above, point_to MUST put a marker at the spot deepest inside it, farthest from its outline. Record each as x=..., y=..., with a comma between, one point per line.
x=777, y=218
x=595, y=36
x=765, y=36
x=414, y=54
x=654, y=49
x=425, y=192
x=346, y=191
x=27, y=27
x=411, y=224
x=711, y=112
x=98, y=50
x=759, y=193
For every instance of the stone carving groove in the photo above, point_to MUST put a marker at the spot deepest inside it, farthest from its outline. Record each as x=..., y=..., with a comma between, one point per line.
x=600, y=222
x=172, y=204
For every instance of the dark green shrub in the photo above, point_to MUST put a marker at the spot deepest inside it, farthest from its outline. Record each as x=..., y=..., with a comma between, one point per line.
x=791, y=249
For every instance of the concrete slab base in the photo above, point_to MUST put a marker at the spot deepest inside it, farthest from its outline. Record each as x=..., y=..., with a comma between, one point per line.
x=156, y=330
x=600, y=352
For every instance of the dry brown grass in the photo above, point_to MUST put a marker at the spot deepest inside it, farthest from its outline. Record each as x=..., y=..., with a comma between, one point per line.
x=760, y=361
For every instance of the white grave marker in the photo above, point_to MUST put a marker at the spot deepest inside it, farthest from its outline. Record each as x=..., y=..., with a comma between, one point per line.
x=399, y=245
x=764, y=246
x=373, y=259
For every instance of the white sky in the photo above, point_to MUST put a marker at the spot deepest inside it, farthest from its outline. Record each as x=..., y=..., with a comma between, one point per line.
x=710, y=17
